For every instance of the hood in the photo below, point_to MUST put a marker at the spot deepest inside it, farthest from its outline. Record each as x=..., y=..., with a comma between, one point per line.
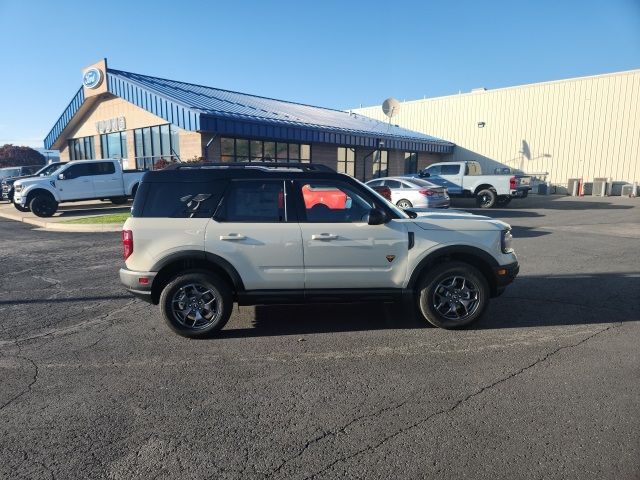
x=457, y=220
x=25, y=181
x=10, y=180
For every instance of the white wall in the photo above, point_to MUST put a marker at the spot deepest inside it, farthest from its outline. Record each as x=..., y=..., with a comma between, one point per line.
x=582, y=127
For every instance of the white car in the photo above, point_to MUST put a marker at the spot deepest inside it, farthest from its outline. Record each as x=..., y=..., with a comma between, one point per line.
x=74, y=181
x=413, y=192
x=203, y=237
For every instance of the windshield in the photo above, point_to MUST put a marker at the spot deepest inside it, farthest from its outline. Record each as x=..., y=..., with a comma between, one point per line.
x=49, y=169
x=396, y=210
x=9, y=172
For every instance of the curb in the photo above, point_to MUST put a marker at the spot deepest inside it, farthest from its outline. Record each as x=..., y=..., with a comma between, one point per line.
x=64, y=227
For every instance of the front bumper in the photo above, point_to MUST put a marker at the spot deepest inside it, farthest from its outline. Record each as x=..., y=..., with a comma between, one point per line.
x=505, y=274
x=138, y=283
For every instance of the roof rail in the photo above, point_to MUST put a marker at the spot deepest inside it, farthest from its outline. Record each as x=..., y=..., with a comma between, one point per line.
x=305, y=167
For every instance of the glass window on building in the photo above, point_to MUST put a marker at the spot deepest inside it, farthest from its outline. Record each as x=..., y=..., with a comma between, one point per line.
x=410, y=162
x=346, y=161
x=380, y=163
x=114, y=145
x=156, y=147
x=81, y=148
x=243, y=150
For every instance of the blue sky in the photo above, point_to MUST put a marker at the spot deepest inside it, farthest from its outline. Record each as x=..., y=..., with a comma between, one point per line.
x=331, y=53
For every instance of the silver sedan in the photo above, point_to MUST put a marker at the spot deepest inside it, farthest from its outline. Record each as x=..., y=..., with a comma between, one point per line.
x=413, y=192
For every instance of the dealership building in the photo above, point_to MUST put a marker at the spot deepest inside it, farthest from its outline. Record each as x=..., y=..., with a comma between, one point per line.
x=148, y=122
x=586, y=128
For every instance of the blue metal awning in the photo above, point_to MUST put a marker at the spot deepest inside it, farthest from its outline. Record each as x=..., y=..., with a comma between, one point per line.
x=206, y=109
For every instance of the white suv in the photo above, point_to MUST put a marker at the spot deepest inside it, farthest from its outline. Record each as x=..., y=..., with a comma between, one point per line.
x=204, y=236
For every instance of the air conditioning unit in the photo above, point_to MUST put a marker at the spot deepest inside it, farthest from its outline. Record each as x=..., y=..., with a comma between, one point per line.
x=600, y=187
x=626, y=190
x=573, y=187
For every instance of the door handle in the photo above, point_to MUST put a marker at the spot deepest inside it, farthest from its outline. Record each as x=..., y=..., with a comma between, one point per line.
x=324, y=236
x=86, y=181
x=232, y=236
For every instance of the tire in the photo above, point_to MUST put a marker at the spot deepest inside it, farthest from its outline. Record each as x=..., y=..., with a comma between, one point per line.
x=201, y=288
x=404, y=203
x=20, y=208
x=118, y=200
x=443, y=290
x=503, y=200
x=43, y=205
x=486, y=198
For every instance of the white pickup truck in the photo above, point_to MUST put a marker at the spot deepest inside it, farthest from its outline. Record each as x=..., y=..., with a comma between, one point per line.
x=75, y=181
x=465, y=179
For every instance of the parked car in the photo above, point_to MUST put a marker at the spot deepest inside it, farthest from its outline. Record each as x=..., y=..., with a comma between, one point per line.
x=9, y=172
x=75, y=181
x=7, y=183
x=413, y=192
x=203, y=237
x=465, y=179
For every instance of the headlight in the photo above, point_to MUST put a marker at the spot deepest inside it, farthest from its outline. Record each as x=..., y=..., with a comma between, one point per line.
x=507, y=240
x=18, y=188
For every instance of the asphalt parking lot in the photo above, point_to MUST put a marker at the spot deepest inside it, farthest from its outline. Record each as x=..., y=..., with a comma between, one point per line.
x=93, y=385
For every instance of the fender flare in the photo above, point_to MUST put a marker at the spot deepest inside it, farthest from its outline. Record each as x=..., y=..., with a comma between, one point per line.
x=205, y=258
x=477, y=252
x=37, y=190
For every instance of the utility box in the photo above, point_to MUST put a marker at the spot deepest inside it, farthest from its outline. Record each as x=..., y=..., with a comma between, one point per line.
x=600, y=187
x=573, y=187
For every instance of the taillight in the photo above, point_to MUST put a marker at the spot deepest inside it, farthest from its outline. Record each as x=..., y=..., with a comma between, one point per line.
x=512, y=183
x=127, y=243
x=426, y=192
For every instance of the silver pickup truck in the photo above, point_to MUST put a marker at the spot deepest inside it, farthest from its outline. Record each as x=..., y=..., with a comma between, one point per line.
x=465, y=179
x=75, y=181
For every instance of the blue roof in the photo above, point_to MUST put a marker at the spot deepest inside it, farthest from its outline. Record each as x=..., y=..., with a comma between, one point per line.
x=208, y=109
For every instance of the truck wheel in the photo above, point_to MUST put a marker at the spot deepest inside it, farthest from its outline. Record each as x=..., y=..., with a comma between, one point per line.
x=404, y=203
x=196, y=304
x=486, y=198
x=20, y=208
x=503, y=200
x=453, y=295
x=118, y=200
x=43, y=205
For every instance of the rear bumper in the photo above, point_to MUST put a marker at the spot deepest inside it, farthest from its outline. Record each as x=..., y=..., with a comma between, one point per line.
x=521, y=192
x=132, y=282
x=505, y=274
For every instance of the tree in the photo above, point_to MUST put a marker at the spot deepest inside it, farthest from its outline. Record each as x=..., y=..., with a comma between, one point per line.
x=13, y=156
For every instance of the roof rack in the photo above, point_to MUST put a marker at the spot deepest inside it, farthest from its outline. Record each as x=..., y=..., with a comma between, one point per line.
x=305, y=167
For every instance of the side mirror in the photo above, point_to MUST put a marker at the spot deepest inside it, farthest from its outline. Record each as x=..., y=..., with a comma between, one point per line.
x=411, y=213
x=376, y=217
x=424, y=174
x=61, y=176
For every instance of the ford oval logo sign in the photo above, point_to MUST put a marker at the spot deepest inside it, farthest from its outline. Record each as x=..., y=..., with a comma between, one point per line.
x=92, y=78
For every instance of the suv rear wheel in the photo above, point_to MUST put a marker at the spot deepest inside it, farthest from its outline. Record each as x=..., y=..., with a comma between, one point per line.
x=453, y=295
x=196, y=304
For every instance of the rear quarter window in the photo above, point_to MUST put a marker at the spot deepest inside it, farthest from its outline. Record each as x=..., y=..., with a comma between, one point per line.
x=178, y=200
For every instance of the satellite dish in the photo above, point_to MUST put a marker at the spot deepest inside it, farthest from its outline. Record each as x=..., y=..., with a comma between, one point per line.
x=391, y=107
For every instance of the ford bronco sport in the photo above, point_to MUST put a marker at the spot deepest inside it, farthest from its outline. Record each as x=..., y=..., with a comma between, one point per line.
x=201, y=237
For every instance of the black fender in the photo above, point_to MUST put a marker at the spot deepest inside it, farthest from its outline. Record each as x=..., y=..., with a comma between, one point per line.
x=474, y=255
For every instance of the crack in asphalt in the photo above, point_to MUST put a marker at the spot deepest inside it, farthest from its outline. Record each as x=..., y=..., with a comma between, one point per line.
x=450, y=409
x=30, y=385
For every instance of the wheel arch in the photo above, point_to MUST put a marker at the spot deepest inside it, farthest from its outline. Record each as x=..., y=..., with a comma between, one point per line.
x=483, y=187
x=193, y=260
x=39, y=191
x=475, y=256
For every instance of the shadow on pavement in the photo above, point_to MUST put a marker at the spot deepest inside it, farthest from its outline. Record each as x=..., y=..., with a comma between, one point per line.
x=529, y=302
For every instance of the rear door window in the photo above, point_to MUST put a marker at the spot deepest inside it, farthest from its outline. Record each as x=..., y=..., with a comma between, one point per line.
x=179, y=200
x=254, y=201
x=102, y=168
x=392, y=184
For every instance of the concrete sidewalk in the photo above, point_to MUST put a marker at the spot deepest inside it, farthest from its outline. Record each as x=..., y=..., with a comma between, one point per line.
x=69, y=212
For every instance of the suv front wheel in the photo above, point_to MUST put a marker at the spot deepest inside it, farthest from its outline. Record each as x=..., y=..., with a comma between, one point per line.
x=196, y=304
x=453, y=295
